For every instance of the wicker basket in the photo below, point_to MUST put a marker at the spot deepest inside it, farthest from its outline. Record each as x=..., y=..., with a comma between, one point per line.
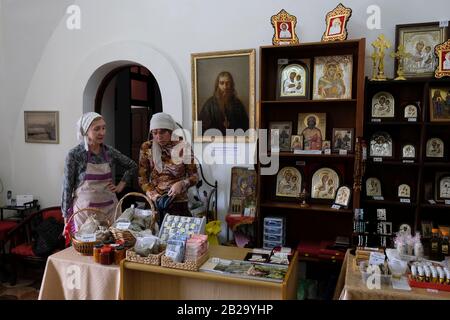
x=189, y=265
x=85, y=248
x=153, y=259
x=126, y=235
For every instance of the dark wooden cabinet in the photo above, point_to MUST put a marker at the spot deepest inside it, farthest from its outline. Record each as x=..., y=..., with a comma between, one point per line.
x=420, y=173
x=319, y=221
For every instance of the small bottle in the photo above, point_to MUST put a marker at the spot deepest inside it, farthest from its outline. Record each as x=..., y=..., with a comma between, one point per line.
x=434, y=245
x=441, y=274
x=421, y=273
x=427, y=271
x=434, y=275
x=444, y=245
x=414, y=272
x=96, y=252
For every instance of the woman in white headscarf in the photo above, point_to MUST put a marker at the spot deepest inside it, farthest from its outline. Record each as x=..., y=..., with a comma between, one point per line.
x=166, y=167
x=88, y=181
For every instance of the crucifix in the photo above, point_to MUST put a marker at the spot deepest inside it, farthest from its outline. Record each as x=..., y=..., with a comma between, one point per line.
x=400, y=55
x=381, y=44
x=374, y=57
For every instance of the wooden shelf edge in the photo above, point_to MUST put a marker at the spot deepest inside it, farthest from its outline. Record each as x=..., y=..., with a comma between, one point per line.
x=295, y=206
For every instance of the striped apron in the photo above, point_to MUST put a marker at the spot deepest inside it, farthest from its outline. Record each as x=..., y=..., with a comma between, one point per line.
x=93, y=192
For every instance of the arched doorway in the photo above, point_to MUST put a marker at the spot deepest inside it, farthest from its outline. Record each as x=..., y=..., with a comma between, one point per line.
x=127, y=97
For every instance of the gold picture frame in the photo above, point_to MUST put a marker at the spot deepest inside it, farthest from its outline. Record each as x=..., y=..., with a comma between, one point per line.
x=41, y=126
x=284, y=28
x=336, y=23
x=213, y=73
x=440, y=104
x=418, y=40
x=332, y=78
x=442, y=51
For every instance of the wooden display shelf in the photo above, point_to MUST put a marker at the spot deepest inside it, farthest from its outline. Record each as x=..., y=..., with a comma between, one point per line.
x=436, y=164
x=389, y=203
x=435, y=206
x=286, y=154
x=296, y=102
x=394, y=163
x=393, y=123
x=440, y=123
x=296, y=206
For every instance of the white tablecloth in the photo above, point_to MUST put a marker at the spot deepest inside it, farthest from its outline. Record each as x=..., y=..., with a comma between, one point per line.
x=71, y=276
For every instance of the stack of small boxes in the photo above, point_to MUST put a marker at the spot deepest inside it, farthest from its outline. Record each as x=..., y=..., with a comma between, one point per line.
x=274, y=232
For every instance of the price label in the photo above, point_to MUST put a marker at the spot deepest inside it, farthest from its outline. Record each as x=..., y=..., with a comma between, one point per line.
x=433, y=290
x=89, y=237
x=404, y=200
x=336, y=206
x=342, y=152
x=432, y=201
x=443, y=23
x=408, y=161
x=376, y=120
x=376, y=258
x=122, y=225
x=412, y=119
x=377, y=159
x=327, y=151
x=447, y=202
x=381, y=198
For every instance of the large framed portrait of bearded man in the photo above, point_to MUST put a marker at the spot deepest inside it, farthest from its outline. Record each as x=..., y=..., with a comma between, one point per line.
x=223, y=96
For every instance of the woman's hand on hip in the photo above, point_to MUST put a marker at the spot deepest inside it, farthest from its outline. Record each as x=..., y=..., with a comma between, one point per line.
x=176, y=189
x=116, y=189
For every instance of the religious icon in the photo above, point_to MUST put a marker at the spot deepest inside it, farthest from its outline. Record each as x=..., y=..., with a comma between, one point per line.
x=442, y=188
x=410, y=111
x=408, y=151
x=383, y=105
x=435, y=148
x=312, y=126
x=325, y=182
x=373, y=187
x=440, y=104
x=381, y=145
x=342, y=139
x=333, y=77
x=297, y=142
x=343, y=196
x=284, y=27
x=404, y=191
x=289, y=181
x=293, y=79
x=336, y=23
x=280, y=136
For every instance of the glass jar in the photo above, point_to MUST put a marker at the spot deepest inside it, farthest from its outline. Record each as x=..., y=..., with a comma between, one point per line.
x=105, y=255
x=97, y=249
x=119, y=254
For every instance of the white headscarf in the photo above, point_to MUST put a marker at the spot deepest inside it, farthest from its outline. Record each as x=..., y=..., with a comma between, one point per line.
x=83, y=125
x=160, y=120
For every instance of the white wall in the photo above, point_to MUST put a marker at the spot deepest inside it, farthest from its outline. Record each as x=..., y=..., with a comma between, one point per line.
x=45, y=66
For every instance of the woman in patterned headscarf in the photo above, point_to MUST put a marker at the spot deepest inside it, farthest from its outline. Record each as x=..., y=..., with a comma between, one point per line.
x=166, y=167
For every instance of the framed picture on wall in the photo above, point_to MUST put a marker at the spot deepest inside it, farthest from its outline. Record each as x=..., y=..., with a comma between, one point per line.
x=419, y=40
x=342, y=139
x=280, y=133
x=41, y=126
x=223, y=93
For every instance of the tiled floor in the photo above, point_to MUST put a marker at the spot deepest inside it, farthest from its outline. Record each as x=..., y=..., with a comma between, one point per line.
x=24, y=289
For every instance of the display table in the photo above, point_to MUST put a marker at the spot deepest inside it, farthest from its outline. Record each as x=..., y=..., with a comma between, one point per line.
x=351, y=287
x=71, y=276
x=141, y=281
